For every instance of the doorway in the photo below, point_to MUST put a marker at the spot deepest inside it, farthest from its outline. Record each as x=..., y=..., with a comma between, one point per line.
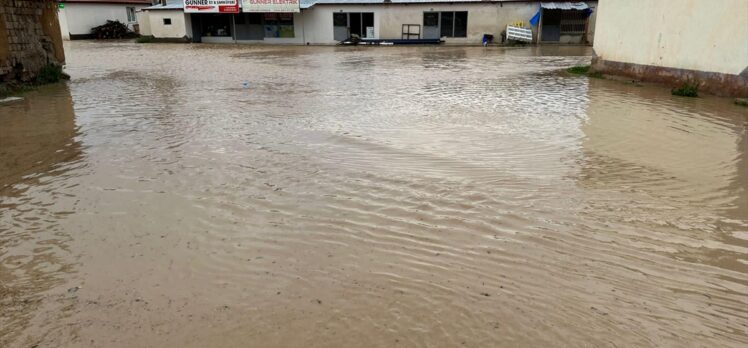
x=249, y=26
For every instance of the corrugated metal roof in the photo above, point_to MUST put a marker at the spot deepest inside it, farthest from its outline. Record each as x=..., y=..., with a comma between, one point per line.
x=564, y=6
x=304, y=4
x=309, y=3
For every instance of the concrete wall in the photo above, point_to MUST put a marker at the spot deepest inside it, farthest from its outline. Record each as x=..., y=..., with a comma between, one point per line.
x=29, y=38
x=703, y=35
x=144, y=22
x=180, y=27
x=78, y=19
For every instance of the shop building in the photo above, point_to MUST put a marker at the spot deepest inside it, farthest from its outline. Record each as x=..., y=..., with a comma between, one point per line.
x=332, y=21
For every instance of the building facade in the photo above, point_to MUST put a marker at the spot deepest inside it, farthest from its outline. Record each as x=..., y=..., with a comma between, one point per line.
x=671, y=41
x=332, y=21
x=77, y=17
x=29, y=39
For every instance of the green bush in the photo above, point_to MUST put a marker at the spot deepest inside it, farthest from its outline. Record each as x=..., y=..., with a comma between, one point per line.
x=50, y=73
x=687, y=89
x=5, y=91
x=579, y=70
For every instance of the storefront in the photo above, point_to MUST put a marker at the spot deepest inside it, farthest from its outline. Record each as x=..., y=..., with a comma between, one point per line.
x=564, y=22
x=222, y=21
x=329, y=22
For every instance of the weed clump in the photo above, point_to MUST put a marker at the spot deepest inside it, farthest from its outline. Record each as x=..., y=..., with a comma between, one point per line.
x=50, y=73
x=145, y=39
x=689, y=88
x=586, y=71
x=579, y=70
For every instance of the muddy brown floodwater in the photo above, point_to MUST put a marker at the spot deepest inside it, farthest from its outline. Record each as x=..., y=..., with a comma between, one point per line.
x=236, y=196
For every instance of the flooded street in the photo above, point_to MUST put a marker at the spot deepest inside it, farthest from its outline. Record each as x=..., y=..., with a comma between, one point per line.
x=241, y=196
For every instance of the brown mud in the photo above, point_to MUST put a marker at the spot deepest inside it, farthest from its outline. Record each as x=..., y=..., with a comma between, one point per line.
x=234, y=196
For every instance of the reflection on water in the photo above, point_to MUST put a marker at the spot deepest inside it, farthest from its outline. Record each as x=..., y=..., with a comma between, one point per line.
x=415, y=196
x=38, y=150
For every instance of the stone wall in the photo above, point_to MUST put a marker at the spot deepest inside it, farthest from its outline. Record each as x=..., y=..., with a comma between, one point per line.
x=29, y=38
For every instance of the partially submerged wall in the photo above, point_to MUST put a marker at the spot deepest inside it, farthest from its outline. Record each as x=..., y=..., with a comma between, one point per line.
x=29, y=38
x=670, y=41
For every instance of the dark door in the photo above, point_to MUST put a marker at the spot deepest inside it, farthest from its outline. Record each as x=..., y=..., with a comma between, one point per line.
x=431, y=25
x=196, y=28
x=367, y=21
x=354, y=24
x=249, y=26
x=340, y=26
x=551, y=26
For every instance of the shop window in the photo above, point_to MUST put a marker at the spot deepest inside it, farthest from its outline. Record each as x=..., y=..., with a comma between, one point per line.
x=279, y=25
x=131, y=14
x=431, y=19
x=356, y=23
x=340, y=19
x=460, y=24
x=216, y=25
x=167, y=21
x=451, y=24
x=447, y=24
x=573, y=22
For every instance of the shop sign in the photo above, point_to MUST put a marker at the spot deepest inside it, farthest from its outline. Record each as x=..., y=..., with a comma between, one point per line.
x=211, y=6
x=272, y=6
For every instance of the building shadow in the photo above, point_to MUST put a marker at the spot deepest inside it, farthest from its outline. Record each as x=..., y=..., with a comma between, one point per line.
x=38, y=146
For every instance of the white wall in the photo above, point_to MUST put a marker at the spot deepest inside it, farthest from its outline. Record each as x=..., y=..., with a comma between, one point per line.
x=705, y=35
x=144, y=22
x=63, y=19
x=315, y=25
x=180, y=27
x=489, y=18
x=80, y=18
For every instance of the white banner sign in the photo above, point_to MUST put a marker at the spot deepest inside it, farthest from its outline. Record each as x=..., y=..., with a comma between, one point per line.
x=276, y=6
x=211, y=6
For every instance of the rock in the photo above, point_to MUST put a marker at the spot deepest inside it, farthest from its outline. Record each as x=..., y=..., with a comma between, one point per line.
x=741, y=101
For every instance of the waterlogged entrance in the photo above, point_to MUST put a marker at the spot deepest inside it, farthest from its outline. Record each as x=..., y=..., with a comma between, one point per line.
x=418, y=196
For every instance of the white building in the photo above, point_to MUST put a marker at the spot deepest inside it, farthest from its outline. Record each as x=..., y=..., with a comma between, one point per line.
x=77, y=17
x=332, y=21
x=671, y=41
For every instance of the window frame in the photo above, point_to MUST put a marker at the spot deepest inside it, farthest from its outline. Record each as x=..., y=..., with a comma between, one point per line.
x=450, y=29
x=279, y=25
x=132, y=17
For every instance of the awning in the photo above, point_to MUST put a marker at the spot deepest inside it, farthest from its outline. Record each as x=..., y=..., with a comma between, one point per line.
x=579, y=6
